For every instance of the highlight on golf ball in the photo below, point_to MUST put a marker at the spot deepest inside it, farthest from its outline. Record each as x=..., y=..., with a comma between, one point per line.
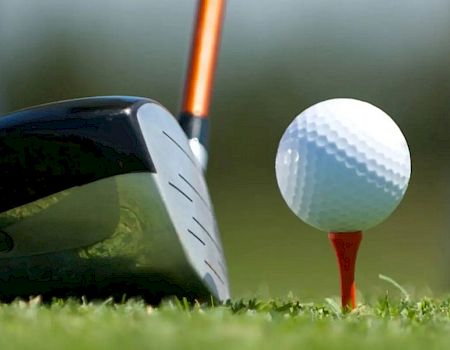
x=343, y=165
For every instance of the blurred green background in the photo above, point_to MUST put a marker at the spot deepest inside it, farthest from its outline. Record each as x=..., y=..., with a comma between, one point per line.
x=277, y=58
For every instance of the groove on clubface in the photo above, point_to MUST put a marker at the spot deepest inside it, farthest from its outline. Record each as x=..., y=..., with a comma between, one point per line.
x=196, y=192
x=208, y=234
x=180, y=147
x=198, y=238
x=180, y=191
x=214, y=271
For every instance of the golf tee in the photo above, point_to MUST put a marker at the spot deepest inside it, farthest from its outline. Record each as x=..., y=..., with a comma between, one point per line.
x=346, y=246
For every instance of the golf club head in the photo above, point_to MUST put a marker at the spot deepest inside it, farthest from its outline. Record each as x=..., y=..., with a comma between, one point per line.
x=103, y=196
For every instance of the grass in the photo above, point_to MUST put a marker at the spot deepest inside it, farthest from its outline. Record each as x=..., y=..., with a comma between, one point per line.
x=244, y=324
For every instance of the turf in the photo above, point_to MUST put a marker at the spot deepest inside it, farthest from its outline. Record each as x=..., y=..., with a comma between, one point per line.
x=245, y=324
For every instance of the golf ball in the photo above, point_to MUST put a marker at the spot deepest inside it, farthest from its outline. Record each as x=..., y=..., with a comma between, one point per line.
x=343, y=165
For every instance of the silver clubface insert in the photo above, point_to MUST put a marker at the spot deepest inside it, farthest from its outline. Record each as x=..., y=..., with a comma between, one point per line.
x=179, y=179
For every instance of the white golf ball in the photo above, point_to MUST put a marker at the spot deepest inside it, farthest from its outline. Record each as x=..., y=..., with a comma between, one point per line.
x=343, y=165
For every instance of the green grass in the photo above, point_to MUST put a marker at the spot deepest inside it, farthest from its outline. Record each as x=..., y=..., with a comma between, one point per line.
x=246, y=324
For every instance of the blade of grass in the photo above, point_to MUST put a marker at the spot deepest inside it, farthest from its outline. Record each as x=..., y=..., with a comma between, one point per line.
x=390, y=280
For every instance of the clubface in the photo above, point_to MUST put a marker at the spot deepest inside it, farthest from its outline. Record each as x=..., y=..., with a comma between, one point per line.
x=103, y=196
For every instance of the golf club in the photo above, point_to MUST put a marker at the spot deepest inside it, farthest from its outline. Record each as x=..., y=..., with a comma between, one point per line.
x=106, y=196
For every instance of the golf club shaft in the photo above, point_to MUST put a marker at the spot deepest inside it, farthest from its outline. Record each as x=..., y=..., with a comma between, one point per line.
x=201, y=69
x=346, y=248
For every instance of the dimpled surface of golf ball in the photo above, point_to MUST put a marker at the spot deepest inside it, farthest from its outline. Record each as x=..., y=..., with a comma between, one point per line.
x=343, y=165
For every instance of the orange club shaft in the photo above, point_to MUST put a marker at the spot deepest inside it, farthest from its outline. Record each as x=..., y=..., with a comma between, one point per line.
x=346, y=246
x=202, y=64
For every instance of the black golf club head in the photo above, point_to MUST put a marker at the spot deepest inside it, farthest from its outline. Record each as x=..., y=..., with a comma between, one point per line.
x=103, y=197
